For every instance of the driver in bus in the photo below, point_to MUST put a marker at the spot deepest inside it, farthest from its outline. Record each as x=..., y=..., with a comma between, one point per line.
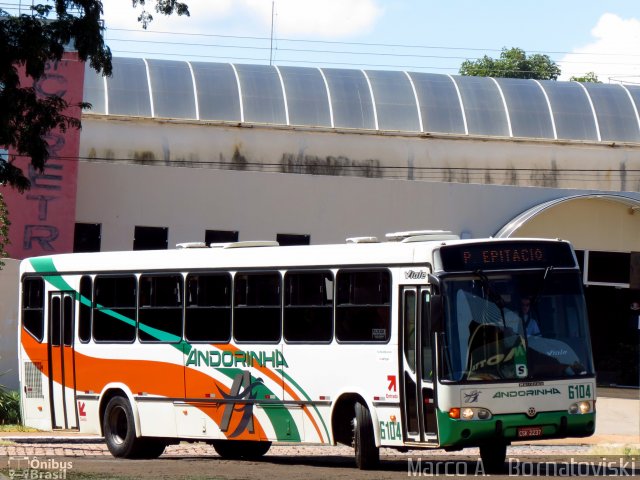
x=520, y=318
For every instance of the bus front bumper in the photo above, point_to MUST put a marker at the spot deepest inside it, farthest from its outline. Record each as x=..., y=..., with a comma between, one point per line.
x=455, y=433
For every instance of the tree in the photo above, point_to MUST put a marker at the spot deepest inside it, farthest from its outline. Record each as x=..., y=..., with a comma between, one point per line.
x=513, y=63
x=589, y=77
x=4, y=230
x=29, y=41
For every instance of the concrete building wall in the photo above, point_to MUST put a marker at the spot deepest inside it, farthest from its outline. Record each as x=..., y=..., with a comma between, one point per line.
x=259, y=205
x=439, y=158
x=9, y=291
x=590, y=224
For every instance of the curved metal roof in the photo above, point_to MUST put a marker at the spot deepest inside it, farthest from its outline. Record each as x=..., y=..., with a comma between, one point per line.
x=511, y=227
x=366, y=99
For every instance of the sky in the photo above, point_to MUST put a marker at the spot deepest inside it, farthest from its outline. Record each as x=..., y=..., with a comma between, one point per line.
x=415, y=35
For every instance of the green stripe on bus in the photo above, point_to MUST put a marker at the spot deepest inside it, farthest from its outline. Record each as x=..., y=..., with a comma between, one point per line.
x=46, y=265
x=281, y=419
x=295, y=384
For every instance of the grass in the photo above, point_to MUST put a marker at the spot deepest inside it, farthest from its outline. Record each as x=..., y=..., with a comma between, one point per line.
x=16, y=428
x=622, y=450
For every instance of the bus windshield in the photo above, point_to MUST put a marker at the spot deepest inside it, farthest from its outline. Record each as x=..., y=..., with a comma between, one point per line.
x=515, y=326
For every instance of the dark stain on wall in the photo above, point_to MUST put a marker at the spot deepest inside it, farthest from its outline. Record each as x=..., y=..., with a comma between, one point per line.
x=330, y=165
x=145, y=157
x=548, y=177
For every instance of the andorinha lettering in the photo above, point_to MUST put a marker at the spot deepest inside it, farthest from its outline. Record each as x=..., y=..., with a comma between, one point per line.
x=527, y=393
x=505, y=255
x=217, y=358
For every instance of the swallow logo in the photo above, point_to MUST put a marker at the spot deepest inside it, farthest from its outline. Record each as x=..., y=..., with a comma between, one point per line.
x=472, y=396
x=242, y=389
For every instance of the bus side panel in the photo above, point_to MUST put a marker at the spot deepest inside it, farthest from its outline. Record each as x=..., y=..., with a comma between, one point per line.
x=154, y=374
x=319, y=376
x=34, y=363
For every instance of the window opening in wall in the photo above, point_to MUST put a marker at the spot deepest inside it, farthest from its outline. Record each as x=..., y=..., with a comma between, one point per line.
x=87, y=237
x=151, y=238
x=608, y=267
x=220, y=236
x=285, y=239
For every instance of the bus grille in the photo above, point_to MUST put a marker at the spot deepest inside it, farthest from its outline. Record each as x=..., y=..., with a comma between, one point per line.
x=33, y=380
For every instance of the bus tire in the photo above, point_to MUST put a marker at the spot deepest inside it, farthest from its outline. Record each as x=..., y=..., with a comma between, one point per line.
x=493, y=457
x=119, y=429
x=237, y=449
x=366, y=453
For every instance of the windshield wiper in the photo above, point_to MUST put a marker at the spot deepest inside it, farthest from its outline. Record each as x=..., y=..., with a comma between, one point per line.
x=547, y=273
x=491, y=293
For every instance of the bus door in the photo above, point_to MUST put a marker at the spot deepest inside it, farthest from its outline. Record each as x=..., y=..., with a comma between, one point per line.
x=62, y=385
x=418, y=407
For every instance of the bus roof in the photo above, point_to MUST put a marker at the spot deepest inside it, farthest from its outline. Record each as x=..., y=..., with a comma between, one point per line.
x=250, y=256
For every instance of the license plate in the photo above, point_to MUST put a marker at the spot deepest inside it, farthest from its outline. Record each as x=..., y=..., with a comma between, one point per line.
x=527, y=432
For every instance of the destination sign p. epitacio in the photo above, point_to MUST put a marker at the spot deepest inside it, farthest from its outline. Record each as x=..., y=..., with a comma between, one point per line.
x=506, y=255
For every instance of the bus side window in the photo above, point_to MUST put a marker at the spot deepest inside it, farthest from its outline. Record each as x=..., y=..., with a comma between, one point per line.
x=114, y=308
x=308, y=307
x=33, y=307
x=160, y=308
x=256, y=310
x=427, y=335
x=208, y=308
x=363, y=311
x=86, y=299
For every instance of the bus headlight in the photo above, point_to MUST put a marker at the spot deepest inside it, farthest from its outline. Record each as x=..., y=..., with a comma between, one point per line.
x=468, y=413
x=580, y=408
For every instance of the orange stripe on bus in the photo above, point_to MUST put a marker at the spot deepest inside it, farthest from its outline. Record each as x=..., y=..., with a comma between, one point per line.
x=153, y=378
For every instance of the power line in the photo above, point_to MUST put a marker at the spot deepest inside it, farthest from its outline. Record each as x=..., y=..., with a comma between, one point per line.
x=367, y=44
x=497, y=175
x=335, y=52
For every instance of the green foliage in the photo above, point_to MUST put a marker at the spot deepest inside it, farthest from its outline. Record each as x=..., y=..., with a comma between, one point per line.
x=9, y=405
x=32, y=41
x=589, y=77
x=513, y=63
x=4, y=230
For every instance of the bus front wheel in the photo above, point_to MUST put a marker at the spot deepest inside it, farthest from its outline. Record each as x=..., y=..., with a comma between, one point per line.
x=366, y=452
x=120, y=432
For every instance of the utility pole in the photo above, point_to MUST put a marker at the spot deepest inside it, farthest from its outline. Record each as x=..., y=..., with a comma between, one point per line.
x=271, y=46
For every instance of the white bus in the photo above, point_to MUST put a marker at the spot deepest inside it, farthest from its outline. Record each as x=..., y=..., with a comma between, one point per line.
x=410, y=343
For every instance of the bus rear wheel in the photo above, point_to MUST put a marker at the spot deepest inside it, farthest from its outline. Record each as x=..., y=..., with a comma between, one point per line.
x=237, y=449
x=120, y=432
x=366, y=453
